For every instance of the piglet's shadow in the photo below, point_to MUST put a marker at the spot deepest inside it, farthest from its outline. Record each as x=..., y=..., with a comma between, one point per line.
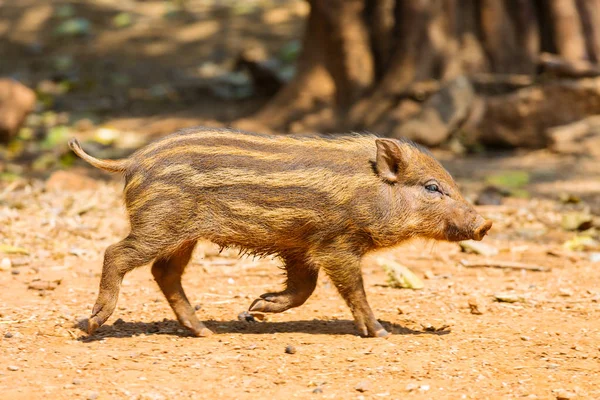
x=122, y=329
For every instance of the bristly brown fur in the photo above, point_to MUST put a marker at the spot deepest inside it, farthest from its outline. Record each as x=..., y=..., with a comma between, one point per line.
x=316, y=202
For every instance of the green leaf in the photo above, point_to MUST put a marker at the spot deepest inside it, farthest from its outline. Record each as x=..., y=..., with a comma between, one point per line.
x=122, y=20
x=57, y=135
x=64, y=11
x=509, y=179
x=8, y=249
x=582, y=243
x=67, y=160
x=8, y=176
x=74, y=27
x=62, y=62
x=575, y=220
x=400, y=276
x=289, y=52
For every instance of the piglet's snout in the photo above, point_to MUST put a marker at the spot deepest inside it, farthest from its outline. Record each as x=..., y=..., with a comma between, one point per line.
x=482, y=227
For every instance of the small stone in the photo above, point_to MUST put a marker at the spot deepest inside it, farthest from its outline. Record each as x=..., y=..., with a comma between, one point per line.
x=245, y=316
x=508, y=297
x=8, y=335
x=565, y=292
x=565, y=395
x=363, y=386
x=575, y=220
x=5, y=264
x=317, y=390
x=471, y=246
x=231, y=281
x=38, y=284
x=92, y=396
x=424, y=388
x=411, y=386
x=427, y=327
x=77, y=381
x=13, y=368
x=16, y=102
x=289, y=349
x=197, y=307
x=429, y=275
x=525, y=338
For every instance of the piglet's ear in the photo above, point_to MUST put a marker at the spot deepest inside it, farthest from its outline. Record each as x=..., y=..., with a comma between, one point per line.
x=390, y=159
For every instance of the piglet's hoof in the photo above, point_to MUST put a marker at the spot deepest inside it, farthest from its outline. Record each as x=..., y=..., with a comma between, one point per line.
x=382, y=333
x=269, y=304
x=92, y=325
x=203, y=332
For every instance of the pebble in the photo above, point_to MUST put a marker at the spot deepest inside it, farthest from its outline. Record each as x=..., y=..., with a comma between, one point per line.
x=508, y=297
x=77, y=381
x=289, y=349
x=429, y=275
x=92, y=396
x=5, y=264
x=471, y=246
x=317, y=390
x=245, y=316
x=565, y=292
x=363, y=386
x=565, y=395
x=13, y=368
x=8, y=335
x=411, y=386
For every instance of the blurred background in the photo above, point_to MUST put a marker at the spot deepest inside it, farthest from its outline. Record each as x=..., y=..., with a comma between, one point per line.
x=460, y=75
x=506, y=93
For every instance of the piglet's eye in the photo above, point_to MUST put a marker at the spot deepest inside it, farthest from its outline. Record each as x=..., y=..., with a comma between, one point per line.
x=432, y=187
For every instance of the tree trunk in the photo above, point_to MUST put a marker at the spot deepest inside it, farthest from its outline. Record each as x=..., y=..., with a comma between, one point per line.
x=369, y=60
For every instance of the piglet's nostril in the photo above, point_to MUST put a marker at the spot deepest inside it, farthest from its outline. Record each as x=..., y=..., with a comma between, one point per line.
x=481, y=231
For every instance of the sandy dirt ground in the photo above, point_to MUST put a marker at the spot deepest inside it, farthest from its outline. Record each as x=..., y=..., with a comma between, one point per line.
x=545, y=344
x=452, y=339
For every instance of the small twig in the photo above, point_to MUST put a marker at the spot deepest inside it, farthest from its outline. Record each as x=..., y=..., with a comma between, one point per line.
x=219, y=302
x=504, y=264
x=215, y=295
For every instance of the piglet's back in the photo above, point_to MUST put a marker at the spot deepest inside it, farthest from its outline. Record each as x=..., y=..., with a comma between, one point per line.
x=254, y=191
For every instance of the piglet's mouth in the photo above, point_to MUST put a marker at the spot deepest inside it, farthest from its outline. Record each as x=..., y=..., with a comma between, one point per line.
x=454, y=233
x=482, y=230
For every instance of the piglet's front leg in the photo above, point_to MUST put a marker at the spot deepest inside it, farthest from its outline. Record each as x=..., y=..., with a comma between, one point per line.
x=343, y=268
